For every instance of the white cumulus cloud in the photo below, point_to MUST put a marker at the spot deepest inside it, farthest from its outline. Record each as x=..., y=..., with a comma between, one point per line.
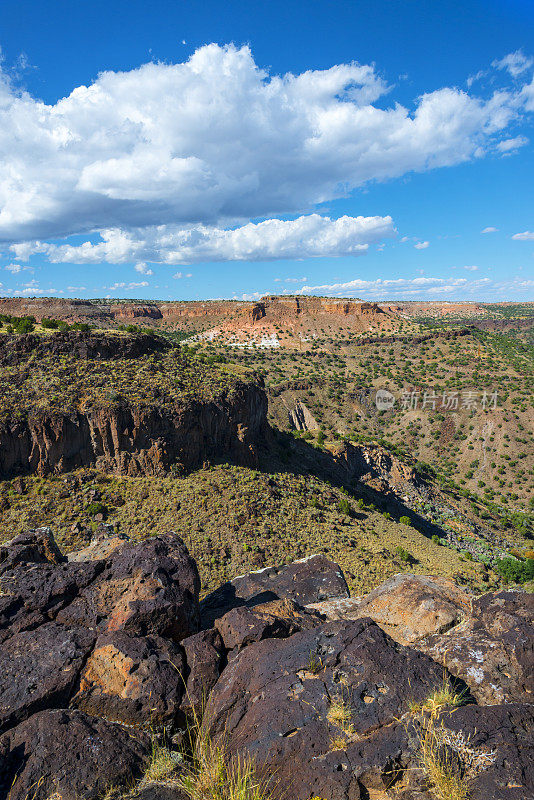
x=422, y=245
x=216, y=141
x=143, y=268
x=490, y=229
x=515, y=63
x=309, y=236
x=423, y=288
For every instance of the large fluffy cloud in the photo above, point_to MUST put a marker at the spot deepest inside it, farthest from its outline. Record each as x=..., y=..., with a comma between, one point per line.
x=216, y=141
x=309, y=236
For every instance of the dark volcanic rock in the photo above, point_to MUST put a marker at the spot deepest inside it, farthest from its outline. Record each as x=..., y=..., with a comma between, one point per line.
x=86, y=345
x=137, y=681
x=158, y=791
x=310, y=580
x=43, y=589
x=32, y=547
x=275, y=620
x=38, y=670
x=493, y=649
x=205, y=657
x=67, y=752
x=506, y=734
x=281, y=699
x=146, y=588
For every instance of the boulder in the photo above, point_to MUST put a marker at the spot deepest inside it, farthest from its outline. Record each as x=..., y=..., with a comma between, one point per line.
x=298, y=704
x=105, y=540
x=39, y=669
x=408, y=607
x=493, y=649
x=69, y=754
x=146, y=588
x=310, y=580
x=205, y=658
x=44, y=589
x=32, y=547
x=136, y=681
x=275, y=620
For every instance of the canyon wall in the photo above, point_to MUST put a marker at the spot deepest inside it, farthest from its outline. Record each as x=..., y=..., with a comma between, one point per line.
x=137, y=440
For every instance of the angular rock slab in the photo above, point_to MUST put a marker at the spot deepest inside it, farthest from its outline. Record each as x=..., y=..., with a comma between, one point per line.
x=67, y=752
x=42, y=590
x=135, y=681
x=506, y=731
x=493, y=650
x=146, y=588
x=39, y=669
x=408, y=607
x=275, y=620
x=205, y=658
x=276, y=699
x=310, y=580
x=35, y=546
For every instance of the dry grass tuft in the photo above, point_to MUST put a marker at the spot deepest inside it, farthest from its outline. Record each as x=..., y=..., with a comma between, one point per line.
x=340, y=715
x=445, y=697
x=162, y=765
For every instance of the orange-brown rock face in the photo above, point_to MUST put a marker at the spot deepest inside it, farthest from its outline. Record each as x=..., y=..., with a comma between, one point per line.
x=129, y=311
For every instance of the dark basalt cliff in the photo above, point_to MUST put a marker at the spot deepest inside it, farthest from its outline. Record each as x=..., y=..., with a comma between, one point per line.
x=127, y=436
x=136, y=440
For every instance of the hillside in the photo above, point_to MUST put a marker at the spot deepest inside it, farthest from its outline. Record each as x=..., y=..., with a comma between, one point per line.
x=113, y=426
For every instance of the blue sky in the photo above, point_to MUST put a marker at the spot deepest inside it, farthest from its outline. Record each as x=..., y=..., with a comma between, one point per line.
x=194, y=150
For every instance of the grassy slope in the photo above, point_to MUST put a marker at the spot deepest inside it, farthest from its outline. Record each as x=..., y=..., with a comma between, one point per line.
x=234, y=519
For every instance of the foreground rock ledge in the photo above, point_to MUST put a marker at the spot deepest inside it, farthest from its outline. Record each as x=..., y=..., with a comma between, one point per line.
x=99, y=654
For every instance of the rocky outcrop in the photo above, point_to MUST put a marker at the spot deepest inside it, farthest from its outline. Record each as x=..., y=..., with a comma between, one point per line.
x=67, y=754
x=132, y=679
x=278, y=619
x=485, y=641
x=301, y=705
x=135, y=310
x=103, y=636
x=98, y=653
x=310, y=580
x=89, y=346
x=492, y=650
x=143, y=589
x=302, y=419
x=138, y=440
x=205, y=659
x=408, y=607
x=376, y=467
x=39, y=669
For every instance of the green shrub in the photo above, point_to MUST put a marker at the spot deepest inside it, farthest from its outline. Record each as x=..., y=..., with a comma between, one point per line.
x=344, y=507
x=50, y=324
x=405, y=520
x=404, y=555
x=514, y=570
x=95, y=508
